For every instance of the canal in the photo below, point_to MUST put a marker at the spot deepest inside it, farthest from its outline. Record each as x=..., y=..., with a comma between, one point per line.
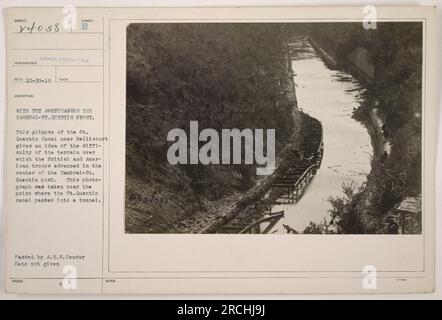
x=329, y=96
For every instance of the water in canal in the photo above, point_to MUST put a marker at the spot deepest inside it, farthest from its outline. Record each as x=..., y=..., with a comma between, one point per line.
x=330, y=96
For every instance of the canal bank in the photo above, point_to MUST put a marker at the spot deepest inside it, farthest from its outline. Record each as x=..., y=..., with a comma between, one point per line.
x=233, y=214
x=331, y=96
x=336, y=99
x=357, y=64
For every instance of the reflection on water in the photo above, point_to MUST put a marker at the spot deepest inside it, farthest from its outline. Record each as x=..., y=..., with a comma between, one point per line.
x=330, y=97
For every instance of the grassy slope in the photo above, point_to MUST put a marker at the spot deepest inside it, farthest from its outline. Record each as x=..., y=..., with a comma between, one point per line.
x=396, y=50
x=221, y=76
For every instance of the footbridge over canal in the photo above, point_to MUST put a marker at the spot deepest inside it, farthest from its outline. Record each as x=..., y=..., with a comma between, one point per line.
x=287, y=187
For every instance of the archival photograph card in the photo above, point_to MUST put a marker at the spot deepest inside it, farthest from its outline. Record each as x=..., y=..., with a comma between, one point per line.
x=220, y=150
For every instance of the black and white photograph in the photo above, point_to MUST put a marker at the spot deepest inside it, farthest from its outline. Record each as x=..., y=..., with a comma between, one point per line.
x=282, y=150
x=274, y=128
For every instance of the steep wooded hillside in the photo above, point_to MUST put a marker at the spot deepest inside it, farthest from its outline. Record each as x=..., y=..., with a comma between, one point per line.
x=221, y=75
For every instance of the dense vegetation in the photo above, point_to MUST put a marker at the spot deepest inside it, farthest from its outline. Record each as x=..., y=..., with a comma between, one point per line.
x=223, y=76
x=233, y=76
x=396, y=53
